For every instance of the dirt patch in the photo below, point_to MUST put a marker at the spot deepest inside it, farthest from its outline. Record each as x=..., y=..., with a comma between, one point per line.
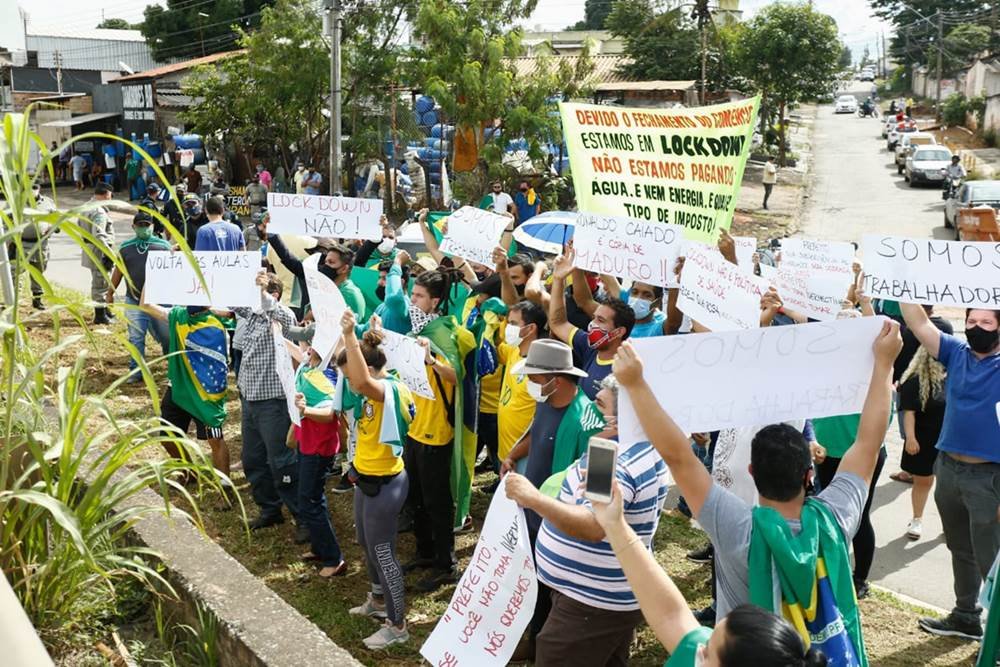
x=958, y=139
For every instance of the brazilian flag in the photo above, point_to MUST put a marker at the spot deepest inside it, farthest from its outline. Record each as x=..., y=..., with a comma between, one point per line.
x=198, y=376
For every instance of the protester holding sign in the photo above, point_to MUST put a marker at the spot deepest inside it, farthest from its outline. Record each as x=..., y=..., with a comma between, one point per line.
x=383, y=419
x=967, y=496
x=787, y=531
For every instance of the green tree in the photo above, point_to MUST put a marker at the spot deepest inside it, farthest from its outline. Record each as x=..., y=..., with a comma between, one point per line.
x=185, y=29
x=595, y=13
x=789, y=53
x=916, y=29
x=846, y=59
x=962, y=43
x=659, y=46
x=115, y=24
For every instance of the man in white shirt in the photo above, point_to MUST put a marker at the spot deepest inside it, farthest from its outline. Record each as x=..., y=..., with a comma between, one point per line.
x=502, y=202
x=770, y=178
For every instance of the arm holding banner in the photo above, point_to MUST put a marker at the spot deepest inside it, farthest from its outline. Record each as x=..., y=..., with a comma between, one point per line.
x=921, y=326
x=154, y=310
x=441, y=368
x=663, y=433
x=662, y=604
x=434, y=248
x=573, y=520
x=558, y=319
x=582, y=293
x=356, y=369
x=292, y=263
x=860, y=458
x=533, y=290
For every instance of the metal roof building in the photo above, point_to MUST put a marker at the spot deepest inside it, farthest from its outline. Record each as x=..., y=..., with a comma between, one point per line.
x=89, y=49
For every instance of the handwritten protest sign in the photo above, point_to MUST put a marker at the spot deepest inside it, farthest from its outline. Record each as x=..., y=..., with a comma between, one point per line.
x=928, y=271
x=627, y=248
x=171, y=279
x=712, y=381
x=746, y=246
x=286, y=374
x=405, y=356
x=718, y=293
x=238, y=201
x=494, y=599
x=682, y=166
x=321, y=215
x=473, y=233
x=328, y=306
x=813, y=276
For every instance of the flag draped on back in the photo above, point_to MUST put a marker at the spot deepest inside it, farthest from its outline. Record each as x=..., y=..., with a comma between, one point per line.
x=458, y=345
x=814, y=575
x=198, y=376
x=398, y=409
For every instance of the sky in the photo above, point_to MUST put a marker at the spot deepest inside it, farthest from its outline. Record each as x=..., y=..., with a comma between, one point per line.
x=857, y=27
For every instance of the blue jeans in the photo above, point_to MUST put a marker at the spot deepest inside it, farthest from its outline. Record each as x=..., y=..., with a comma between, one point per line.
x=139, y=323
x=269, y=465
x=313, y=471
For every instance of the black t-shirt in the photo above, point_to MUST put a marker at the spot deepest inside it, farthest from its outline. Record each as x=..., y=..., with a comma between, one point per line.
x=133, y=254
x=911, y=345
x=930, y=417
x=543, y=447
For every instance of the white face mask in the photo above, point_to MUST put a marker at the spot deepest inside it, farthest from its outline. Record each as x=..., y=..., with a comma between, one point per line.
x=512, y=335
x=535, y=390
x=386, y=246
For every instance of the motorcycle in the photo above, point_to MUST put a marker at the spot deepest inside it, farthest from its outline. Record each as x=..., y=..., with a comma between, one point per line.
x=867, y=111
x=951, y=186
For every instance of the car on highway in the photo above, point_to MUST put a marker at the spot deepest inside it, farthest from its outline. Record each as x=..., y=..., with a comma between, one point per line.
x=907, y=144
x=926, y=164
x=846, y=104
x=971, y=194
x=867, y=75
x=895, y=133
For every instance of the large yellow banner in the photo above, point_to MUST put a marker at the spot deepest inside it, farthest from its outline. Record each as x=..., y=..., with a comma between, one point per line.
x=680, y=166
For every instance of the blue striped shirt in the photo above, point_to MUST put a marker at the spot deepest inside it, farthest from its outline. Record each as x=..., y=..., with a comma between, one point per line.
x=589, y=572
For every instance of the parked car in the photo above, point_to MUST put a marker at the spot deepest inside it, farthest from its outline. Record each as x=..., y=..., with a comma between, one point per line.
x=971, y=194
x=890, y=122
x=906, y=145
x=846, y=104
x=906, y=127
x=926, y=164
x=867, y=75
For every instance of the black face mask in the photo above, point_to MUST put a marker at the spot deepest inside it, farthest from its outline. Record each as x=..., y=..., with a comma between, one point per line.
x=480, y=275
x=380, y=292
x=328, y=271
x=520, y=289
x=981, y=340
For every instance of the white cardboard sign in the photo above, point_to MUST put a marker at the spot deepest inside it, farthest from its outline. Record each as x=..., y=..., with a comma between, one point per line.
x=473, y=233
x=230, y=277
x=324, y=216
x=405, y=356
x=814, y=276
x=286, y=374
x=494, y=599
x=731, y=379
x=928, y=271
x=629, y=249
x=717, y=293
x=328, y=306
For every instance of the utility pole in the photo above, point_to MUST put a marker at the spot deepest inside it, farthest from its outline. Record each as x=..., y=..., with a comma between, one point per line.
x=703, y=15
x=940, y=49
x=58, y=58
x=335, y=12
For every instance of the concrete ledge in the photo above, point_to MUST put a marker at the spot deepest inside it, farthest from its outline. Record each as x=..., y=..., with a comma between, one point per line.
x=256, y=627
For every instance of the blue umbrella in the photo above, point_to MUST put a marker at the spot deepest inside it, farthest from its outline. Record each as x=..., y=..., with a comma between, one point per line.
x=547, y=232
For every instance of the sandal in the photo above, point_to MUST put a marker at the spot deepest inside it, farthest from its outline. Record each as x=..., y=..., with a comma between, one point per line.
x=902, y=476
x=338, y=571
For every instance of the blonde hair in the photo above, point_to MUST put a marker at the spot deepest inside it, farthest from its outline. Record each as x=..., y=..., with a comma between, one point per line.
x=930, y=374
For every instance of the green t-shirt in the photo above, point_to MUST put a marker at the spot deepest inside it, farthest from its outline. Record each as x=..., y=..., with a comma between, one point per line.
x=837, y=434
x=354, y=299
x=686, y=651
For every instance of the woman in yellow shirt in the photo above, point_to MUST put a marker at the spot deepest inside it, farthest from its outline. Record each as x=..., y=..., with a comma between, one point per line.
x=382, y=418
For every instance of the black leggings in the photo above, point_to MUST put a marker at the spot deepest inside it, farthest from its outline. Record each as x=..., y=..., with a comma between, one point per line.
x=375, y=520
x=864, y=539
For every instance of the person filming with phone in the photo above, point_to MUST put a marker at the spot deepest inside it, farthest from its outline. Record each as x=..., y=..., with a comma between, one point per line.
x=572, y=547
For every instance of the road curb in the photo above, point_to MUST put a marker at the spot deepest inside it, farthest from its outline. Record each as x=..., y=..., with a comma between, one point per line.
x=912, y=601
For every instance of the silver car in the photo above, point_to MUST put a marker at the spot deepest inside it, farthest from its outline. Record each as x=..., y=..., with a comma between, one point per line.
x=926, y=165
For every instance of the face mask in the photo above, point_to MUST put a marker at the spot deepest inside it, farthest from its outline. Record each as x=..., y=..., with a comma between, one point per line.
x=512, y=335
x=981, y=340
x=535, y=390
x=329, y=271
x=641, y=307
x=519, y=289
x=380, y=292
x=143, y=233
x=386, y=246
x=596, y=336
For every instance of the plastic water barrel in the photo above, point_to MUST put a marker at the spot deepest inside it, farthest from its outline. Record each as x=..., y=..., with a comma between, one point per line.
x=429, y=154
x=187, y=141
x=424, y=104
x=429, y=118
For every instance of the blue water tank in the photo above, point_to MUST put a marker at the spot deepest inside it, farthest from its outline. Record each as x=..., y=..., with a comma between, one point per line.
x=187, y=141
x=429, y=118
x=424, y=104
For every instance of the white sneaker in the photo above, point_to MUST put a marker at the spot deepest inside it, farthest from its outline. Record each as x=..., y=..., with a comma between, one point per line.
x=386, y=636
x=368, y=609
x=915, y=529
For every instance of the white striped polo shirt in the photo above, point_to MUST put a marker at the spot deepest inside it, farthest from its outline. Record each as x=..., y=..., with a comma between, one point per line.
x=589, y=572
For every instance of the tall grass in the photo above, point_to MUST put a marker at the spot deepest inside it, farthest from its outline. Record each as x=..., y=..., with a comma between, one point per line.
x=70, y=471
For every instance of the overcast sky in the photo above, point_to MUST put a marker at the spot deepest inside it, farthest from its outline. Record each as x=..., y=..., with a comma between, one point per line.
x=857, y=27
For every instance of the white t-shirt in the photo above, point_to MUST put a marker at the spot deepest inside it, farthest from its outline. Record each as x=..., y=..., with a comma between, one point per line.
x=501, y=202
x=770, y=173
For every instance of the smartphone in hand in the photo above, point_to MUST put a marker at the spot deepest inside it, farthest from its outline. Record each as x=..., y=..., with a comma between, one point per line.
x=602, y=458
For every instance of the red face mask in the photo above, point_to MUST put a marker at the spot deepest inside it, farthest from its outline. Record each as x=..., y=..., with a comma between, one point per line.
x=596, y=337
x=592, y=281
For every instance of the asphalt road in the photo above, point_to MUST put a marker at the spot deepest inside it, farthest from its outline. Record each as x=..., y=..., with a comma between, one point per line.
x=856, y=191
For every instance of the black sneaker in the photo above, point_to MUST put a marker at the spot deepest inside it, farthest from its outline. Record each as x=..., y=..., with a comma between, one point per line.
x=704, y=555
x=862, y=589
x=437, y=579
x=266, y=521
x=952, y=626
x=418, y=564
x=706, y=616
x=343, y=486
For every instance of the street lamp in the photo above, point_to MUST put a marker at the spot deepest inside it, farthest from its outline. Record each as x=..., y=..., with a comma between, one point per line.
x=201, y=36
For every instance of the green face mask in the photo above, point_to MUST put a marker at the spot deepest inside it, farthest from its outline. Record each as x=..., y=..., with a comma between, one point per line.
x=144, y=233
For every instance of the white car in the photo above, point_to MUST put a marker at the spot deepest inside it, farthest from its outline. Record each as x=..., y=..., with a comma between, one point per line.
x=926, y=164
x=908, y=143
x=895, y=133
x=846, y=104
